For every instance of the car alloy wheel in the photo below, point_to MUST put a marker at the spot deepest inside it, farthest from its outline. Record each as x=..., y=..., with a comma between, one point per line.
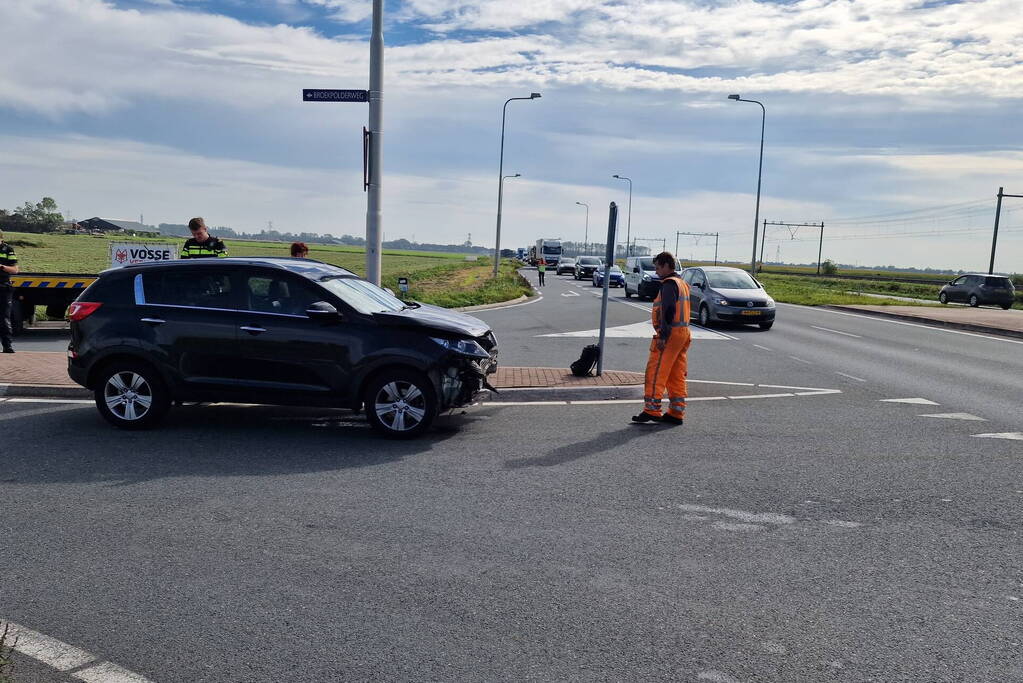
x=131, y=396
x=704, y=316
x=943, y=298
x=400, y=404
x=974, y=301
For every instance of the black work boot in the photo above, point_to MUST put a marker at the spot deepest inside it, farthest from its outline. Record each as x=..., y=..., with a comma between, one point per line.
x=671, y=419
x=645, y=417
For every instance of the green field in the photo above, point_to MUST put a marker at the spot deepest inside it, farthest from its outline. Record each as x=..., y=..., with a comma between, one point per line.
x=441, y=278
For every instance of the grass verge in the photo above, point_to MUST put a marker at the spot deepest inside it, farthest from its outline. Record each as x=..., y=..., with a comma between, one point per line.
x=793, y=289
x=464, y=284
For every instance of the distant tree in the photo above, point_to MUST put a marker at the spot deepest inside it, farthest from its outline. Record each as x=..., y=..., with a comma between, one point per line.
x=828, y=267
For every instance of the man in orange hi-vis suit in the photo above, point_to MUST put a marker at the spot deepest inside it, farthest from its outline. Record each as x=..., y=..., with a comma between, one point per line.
x=668, y=363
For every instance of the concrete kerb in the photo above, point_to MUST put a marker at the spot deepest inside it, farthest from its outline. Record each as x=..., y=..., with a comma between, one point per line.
x=483, y=307
x=43, y=391
x=933, y=322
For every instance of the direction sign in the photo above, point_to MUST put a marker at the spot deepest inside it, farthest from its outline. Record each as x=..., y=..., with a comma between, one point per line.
x=309, y=95
x=403, y=284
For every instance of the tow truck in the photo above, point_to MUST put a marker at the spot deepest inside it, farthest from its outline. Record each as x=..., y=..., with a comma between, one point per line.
x=56, y=291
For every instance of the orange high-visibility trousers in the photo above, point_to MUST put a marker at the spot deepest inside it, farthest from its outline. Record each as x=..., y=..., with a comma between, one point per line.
x=666, y=369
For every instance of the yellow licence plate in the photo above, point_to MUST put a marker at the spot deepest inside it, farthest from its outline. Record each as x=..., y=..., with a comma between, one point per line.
x=751, y=312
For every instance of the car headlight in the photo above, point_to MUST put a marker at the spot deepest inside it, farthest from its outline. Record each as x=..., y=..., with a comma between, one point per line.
x=770, y=302
x=466, y=347
x=722, y=302
x=646, y=278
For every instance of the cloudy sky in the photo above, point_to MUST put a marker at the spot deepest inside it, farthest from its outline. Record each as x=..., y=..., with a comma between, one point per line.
x=893, y=121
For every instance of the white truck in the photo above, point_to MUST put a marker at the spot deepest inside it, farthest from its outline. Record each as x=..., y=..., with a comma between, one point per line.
x=548, y=249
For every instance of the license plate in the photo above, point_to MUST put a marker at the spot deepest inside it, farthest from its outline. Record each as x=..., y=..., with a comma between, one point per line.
x=751, y=312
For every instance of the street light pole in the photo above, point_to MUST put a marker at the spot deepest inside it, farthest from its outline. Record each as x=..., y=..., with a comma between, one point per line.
x=628, y=223
x=374, y=212
x=500, y=177
x=760, y=171
x=586, y=234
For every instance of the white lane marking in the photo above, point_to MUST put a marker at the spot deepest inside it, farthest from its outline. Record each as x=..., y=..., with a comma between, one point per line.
x=925, y=327
x=763, y=348
x=915, y=401
x=738, y=526
x=716, y=677
x=63, y=657
x=956, y=416
x=850, y=376
x=761, y=396
x=47, y=400
x=570, y=293
x=636, y=401
x=828, y=329
x=801, y=360
x=641, y=330
x=711, y=381
x=37, y=411
x=741, y=515
x=1012, y=436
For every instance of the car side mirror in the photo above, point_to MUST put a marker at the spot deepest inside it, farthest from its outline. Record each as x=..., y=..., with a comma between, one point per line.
x=323, y=311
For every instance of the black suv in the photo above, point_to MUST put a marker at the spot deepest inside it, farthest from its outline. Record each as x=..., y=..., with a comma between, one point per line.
x=274, y=331
x=977, y=289
x=585, y=265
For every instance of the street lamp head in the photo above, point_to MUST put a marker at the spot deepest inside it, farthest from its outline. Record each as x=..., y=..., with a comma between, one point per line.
x=517, y=175
x=733, y=97
x=616, y=176
x=534, y=95
x=580, y=203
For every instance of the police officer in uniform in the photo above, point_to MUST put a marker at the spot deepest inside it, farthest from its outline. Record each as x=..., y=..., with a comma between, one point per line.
x=202, y=244
x=668, y=363
x=8, y=267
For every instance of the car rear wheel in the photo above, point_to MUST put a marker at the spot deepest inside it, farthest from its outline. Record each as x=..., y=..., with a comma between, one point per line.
x=628, y=294
x=943, y=298
x=1005, y=307
x=131, y=395
x=704, y=316
x=400, y=404
x=974, y=301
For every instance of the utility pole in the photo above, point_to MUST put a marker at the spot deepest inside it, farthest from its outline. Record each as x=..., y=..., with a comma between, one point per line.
x=374, y=213
x=994, y=237
x=820, y=248
x=715, y=235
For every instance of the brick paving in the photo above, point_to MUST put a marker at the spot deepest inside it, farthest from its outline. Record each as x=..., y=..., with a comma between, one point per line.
x=48, y=368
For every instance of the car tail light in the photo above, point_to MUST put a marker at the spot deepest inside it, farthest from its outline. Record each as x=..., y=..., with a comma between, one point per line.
x=80, y=310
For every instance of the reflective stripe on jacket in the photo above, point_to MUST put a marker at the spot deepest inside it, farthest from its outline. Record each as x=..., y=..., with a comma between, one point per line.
x=681, y=317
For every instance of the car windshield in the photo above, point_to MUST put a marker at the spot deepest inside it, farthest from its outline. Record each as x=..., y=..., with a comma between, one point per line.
x=589, y=261
x=614, y=269
x=567, y=260
x=646, y=264
x=732, y=279
x=361, y=295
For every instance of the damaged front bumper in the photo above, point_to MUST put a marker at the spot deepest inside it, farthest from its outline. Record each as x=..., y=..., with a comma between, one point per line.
x=464, y=382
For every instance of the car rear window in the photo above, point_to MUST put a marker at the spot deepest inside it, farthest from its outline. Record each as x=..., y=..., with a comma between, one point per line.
x=113, y=290
x=1000, y=282
x=589, y=261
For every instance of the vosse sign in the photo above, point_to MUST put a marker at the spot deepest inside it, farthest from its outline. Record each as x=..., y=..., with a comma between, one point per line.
x=130, y=253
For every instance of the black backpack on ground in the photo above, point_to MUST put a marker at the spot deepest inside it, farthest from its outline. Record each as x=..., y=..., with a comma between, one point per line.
x=587, y=361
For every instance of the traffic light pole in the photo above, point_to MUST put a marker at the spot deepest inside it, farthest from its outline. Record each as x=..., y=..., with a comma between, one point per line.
x=998, y=215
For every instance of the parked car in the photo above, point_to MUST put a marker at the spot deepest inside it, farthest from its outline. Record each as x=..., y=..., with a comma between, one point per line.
x=271, y=331
x=978, y=289
x=616, y=279
x=566, y=265
x=585, y=265
x=641, y=277
x=722, y=294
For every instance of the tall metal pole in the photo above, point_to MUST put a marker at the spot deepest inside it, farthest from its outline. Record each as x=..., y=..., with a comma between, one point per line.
x=374, y=214
x=994, y=237
x=586, y=234
x=763, y=241
x=716, y=236
x=609, y=253
x=500, y=179
x=760, y=172
x=820, y=249
x=628, y=227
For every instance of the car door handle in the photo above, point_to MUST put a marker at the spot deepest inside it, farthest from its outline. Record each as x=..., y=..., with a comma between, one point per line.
x=251, y=329
x=153, y=321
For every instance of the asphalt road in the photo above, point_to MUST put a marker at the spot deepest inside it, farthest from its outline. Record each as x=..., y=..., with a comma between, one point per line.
x=823, y=537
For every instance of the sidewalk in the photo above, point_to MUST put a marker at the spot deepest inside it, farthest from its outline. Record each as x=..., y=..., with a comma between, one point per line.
x=44, y=373
x=987, y=320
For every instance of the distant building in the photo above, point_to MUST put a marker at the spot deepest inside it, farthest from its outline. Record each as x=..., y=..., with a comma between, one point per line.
x=111, y=225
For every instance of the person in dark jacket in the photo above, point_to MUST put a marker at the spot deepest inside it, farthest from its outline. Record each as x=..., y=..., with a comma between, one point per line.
x=8, y=267
x=202, y=244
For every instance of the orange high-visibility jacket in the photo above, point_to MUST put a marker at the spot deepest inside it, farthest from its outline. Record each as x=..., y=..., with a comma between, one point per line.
x=681, y=318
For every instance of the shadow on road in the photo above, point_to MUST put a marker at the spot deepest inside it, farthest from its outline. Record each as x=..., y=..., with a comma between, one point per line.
x=200, y=441
x=608, y=441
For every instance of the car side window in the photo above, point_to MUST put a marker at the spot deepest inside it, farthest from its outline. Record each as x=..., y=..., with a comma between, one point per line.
x=199, y=288
x=278, y=294
x=959, y=281
x=698, y=278
x=687, y=277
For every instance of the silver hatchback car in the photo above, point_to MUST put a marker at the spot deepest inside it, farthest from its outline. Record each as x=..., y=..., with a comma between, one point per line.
x=722, y=294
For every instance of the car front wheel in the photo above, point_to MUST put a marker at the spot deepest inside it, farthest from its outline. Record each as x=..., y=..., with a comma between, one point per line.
x=131, y=395
x=943, y=298
x=704, y=316
x=974, y=301
x=400, y=404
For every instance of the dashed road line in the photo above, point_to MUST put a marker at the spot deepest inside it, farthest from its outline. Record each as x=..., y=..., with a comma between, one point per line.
x=78, y=663
x=763, y=348
x=913, y=401
x=956, y=416
x=858, y=379
x=1011, y=436
x=926, y=327
x=800, y=360
x=828, y=329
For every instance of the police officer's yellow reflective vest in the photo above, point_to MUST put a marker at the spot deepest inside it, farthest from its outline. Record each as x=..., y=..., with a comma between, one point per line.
x=211, y=248
x=681, y=318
